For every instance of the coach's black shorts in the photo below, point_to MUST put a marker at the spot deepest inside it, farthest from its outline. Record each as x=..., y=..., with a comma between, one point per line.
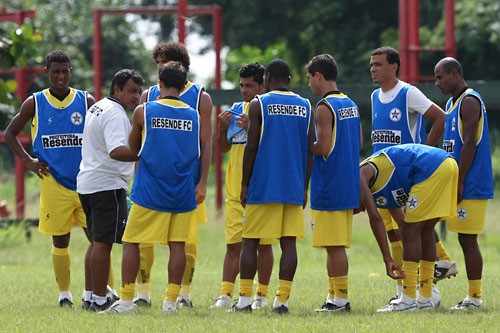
x=106, y=214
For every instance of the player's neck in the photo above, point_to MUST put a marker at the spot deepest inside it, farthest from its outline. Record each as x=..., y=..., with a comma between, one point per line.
x=386, y=86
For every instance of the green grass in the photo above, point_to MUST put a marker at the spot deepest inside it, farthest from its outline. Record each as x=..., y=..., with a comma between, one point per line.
x=28, y=301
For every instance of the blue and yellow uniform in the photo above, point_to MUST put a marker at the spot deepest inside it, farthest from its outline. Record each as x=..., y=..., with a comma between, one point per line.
x=334, y=174
x=57, y=133
x=164, y=188
x=421, y=178
x=279, y=172
x=478, y=184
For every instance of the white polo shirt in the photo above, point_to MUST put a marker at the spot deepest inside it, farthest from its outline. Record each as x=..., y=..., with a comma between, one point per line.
x=106, y=127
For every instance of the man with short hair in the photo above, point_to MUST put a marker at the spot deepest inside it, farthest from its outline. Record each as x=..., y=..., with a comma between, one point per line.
x=277, y=165
x=232, y=137
x=105, y=173
x=335, y=177
x=195, y=96
x=57, y=116
x=165, y=135
x=466, y=137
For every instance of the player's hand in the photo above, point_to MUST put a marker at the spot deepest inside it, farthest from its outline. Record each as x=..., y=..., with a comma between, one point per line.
x=224, y=120
x=38, y=168
x=243, y=196
x=201, y=193
x=393, y=270
x=242, y=121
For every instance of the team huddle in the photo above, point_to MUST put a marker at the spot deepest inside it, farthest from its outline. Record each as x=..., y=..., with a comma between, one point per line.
x=282, y=151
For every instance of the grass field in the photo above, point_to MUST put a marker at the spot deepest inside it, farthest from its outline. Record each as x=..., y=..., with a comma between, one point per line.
x=28, y=301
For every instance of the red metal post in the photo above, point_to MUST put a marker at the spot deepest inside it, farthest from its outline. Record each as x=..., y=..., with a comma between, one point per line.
x=97, y=54
x=403, y=39
x=413, y=41
x=449, y=18
x=181, y=20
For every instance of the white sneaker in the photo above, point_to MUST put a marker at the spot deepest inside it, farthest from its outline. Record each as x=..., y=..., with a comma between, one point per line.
x=468, y=304
x=259, y=302
x=118, y=307
x=184, y=302
x=223, y=301
x=444, y=269
x=399, y=306
x=111, y=294
x=427, y=306
x=169, y=307
x=435, y=297
x=382, y=309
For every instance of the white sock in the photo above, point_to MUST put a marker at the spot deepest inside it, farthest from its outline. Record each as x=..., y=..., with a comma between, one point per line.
x=399, y=291
x=144, y=295
x=126, y=302
x=184, y=295
x=87, y=295
x=277, y=303
x=65, y=294
x=100, y=300
x=244, y=301
x=340, y=301
x=422, y=299
x=407, y=299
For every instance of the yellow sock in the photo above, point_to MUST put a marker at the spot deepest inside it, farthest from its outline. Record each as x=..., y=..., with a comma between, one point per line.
x=284, y=289
x=246, y=287
x=410, y=269
x=147, y=255
x=262, y=290
x=441, y=253
x=61, y=263
x=475, y=288
x=172, y=292
x=341, y=286
x=331, y=287
x=127, y=291
x=111, y=277
x=187, y=278
x=227, y=288
x=397, y=256
x=425, y=278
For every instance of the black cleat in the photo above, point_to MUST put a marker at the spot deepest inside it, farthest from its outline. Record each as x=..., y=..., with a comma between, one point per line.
x=282, y=309
x=332, y=307
x=94, y=307
x=65, y=303
x=235, y=309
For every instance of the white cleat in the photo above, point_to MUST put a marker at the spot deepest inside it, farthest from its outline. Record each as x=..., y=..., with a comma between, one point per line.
x=223, y=301
x=444, y=269
x=259, y=302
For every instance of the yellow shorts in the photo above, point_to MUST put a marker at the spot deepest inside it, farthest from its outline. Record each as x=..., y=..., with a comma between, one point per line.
x=331, y=228
x=234, y=224
x=435, y=197
x=470, y=218
x=201, y=213
x=389, y=222
x=273, y=220
x=151, y=226
x=60, y=208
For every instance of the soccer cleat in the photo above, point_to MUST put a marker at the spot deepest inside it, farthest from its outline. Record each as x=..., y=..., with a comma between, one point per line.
x=65, y=303
x=86, y=305
x=94, y=307
x=427, y=306
x=382, y=309
x=235, y=308
x=183, y=302
x=282, y=309
x=142, y=303
x=169, y=307
x=259, y=302
x=468, y=304
x=332, y=307
x=444, y=269
x=118, y=307
x=223, y=301
x=435, y=296
x=111, y=294
x=399, y=306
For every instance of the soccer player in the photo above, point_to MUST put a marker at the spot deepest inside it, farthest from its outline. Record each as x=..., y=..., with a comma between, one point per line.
x=466, y=137
x=422, y=179
x=232, y=137
x=335, y=167
x=195, y=96
x=398, y=113
x=165, y=135
x=57, y=116
x=105, y=173
x=276, y=168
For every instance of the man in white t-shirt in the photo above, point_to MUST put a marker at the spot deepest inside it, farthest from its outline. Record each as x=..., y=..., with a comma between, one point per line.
x=399, y=111
x=105, y=173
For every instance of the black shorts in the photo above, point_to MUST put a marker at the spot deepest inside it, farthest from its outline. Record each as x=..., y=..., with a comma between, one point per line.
x=106, y=214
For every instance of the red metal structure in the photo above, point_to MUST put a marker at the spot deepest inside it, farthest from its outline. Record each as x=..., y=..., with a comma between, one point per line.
x=23, y=84
x=183, y=11
x=409, y=41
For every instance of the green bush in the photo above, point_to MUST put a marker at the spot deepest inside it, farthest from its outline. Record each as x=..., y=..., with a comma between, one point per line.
x=495, y=156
